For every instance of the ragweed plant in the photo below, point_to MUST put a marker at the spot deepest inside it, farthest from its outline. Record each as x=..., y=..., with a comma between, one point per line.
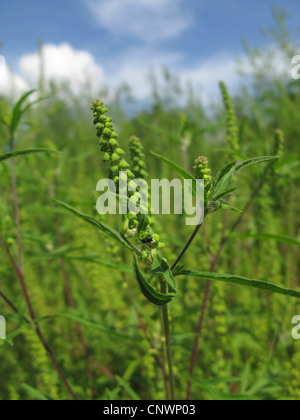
x=137, y=229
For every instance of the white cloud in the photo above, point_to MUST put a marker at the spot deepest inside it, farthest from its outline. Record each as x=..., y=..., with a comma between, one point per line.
x=62, y=63
x=206, y=75
x=80, y=71
x=147, y=20
x=11, y=85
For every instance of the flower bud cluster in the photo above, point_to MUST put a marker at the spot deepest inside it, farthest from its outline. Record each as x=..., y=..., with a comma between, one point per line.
x=137, y=158
x=232, y=130
x=136, y=225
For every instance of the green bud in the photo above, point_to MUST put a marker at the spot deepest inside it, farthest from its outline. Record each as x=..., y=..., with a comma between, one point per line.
x=107, y=132
x=156, y=238
x=113, y=143
x=106, y=157
x=115, y=157
x=114, y=169
x=123, y=165
x=132, y=216
x=120, y=152
x=130, y=174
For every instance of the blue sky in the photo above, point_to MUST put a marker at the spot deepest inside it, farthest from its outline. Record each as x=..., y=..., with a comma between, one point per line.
x=124, y=38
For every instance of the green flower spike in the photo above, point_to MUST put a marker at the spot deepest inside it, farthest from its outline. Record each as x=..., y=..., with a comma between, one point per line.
x=109, y=143
x=137, y=158
x=279, y=143
x=201, y=170
x=232, y=130
x=137, y=226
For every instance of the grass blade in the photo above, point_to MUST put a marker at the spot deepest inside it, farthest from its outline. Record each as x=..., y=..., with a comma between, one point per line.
x=17, y=153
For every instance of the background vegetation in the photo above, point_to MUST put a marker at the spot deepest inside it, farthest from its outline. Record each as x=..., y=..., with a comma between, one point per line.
x=104, y=334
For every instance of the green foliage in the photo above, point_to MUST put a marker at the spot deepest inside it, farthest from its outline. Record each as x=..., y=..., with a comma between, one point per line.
x=17, y=153
x=106, y=335
x=256, y=284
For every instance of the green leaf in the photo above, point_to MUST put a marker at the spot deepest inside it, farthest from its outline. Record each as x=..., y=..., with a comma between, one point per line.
x=31, y=104
x=17, y=153
x=17, y=112
x=128, y=388
x=255, y=161
x=223, y=192
x=227, y=207
x=104, y=263
x=225, y=175
x=94, y=222
x=230, y=278
x=223, y=186
x=148, y=291
x=143, y=223
x=271, y=237
x=180, y=171
x=159, y=266
x=224, y=171
x=35, y=393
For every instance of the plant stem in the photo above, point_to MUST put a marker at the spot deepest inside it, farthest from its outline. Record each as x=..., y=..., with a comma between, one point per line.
x=189, y=242
x=17, y=211
x=166, y=327
x=12, y=306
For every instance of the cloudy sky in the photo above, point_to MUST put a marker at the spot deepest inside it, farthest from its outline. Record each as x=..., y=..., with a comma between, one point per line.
x=110, y=41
